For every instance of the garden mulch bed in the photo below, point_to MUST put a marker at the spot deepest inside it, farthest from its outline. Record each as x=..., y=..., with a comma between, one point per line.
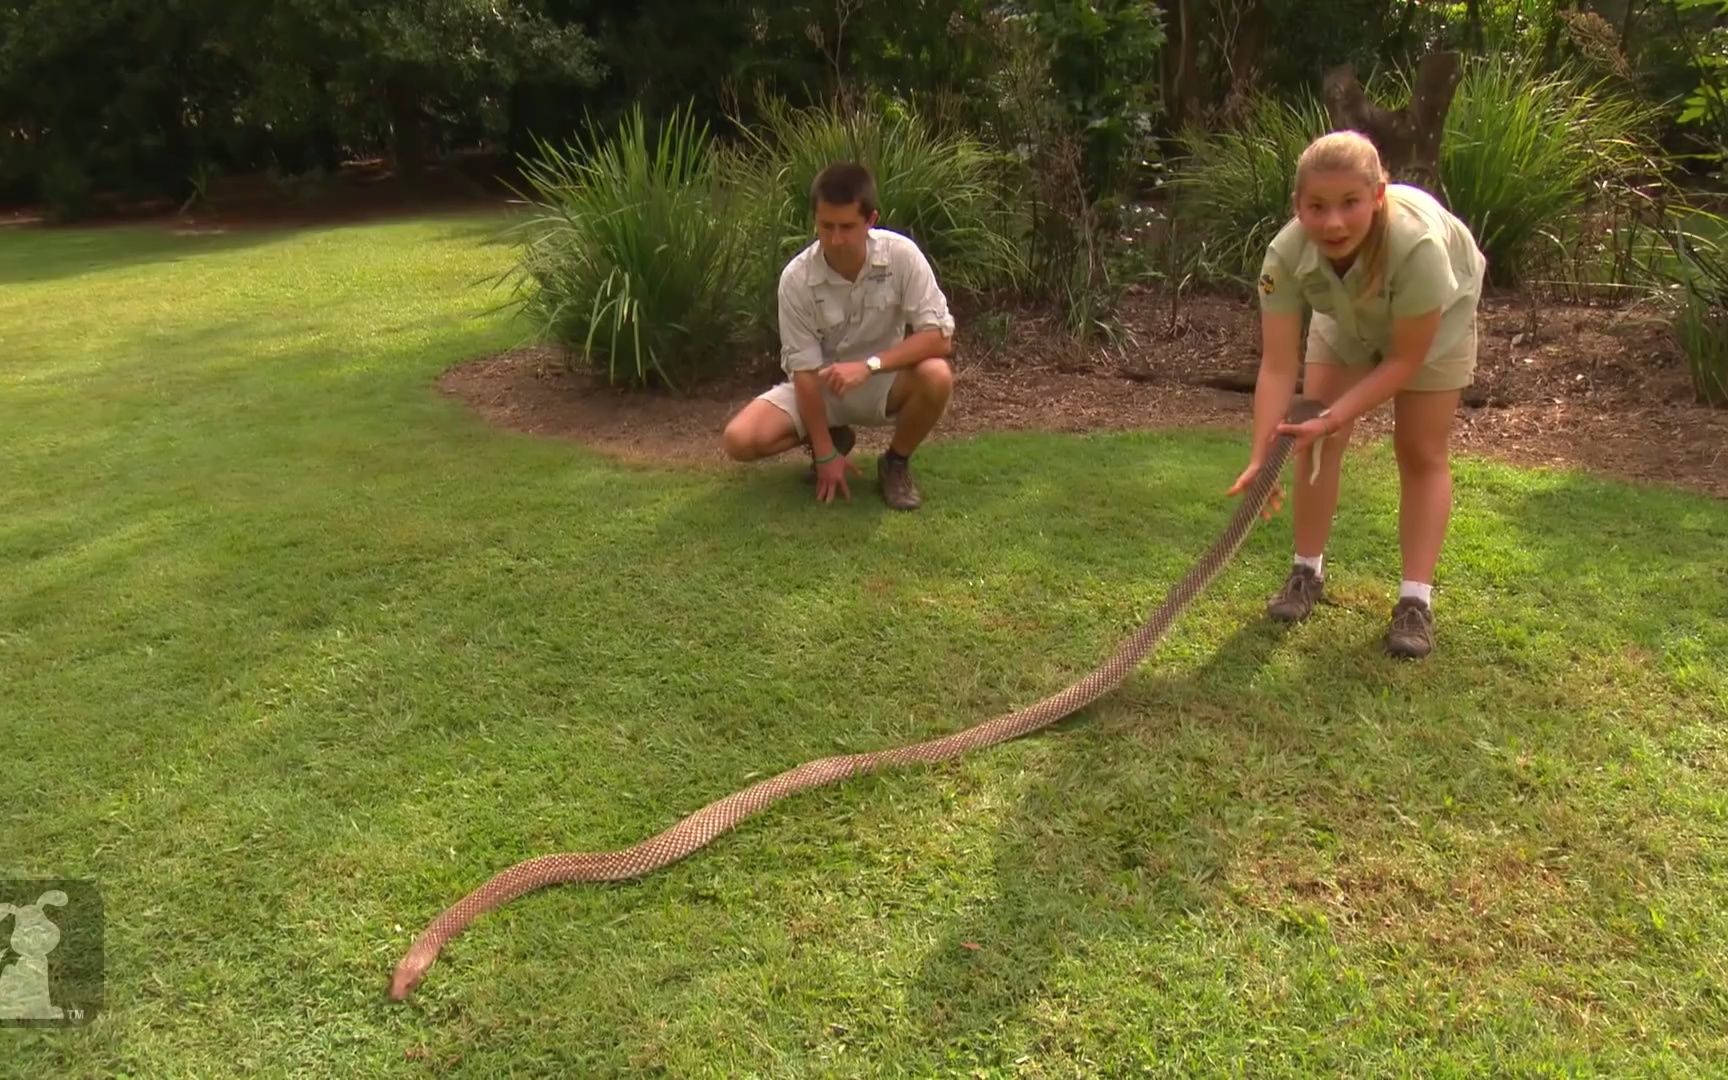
x=1558, y=385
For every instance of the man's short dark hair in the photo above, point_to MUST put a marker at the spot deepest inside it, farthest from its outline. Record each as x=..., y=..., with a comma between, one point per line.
x=844, y=183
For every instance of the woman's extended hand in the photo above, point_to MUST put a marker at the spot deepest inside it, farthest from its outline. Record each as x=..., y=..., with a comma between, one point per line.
x=1306, y=432
x=1274, y=501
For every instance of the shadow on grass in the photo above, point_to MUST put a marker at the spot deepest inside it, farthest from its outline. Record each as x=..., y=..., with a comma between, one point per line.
x=1119, y=860
x=499, y=230
x=32, y=258
x=1090, y=854
x=1577, y=571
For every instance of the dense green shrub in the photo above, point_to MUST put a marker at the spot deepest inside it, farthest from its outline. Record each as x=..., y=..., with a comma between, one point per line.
x=1526, y=153
x=1101, y=66
x=634, y=257
x=1233, y=188
x=946, y=192
x=656, y=260
x=1697, y=243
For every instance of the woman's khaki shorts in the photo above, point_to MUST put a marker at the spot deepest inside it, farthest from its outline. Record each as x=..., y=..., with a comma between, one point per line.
x=1453, y=370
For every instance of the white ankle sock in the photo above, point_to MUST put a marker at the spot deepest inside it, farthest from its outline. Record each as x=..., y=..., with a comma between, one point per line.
x=1420, y=591
x=1315, y=564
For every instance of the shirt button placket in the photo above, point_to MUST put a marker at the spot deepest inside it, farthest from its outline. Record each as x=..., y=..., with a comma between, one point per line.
x=1345, y=305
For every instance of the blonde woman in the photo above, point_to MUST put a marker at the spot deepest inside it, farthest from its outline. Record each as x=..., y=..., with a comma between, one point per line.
x=1392, y=280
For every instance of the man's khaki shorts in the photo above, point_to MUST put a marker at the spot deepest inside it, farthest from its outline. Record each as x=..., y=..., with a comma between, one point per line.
x=1454, y=370
x=866, y=406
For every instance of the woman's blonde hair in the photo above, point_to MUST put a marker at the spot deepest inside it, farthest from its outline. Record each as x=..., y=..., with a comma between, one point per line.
x=1352, y=152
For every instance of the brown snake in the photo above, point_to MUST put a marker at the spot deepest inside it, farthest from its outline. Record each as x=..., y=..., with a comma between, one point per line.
x=717, y=817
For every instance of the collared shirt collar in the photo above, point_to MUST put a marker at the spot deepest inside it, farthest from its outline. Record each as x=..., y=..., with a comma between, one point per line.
x=820, y=273
x=1312, y=264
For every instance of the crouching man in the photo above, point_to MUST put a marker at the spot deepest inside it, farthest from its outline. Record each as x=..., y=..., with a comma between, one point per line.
x=846, y=304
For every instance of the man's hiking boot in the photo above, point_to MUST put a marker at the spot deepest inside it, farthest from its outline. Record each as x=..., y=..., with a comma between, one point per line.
x=1296, y=600
x=1411, y=634
x=844, y=440
x=899, y=491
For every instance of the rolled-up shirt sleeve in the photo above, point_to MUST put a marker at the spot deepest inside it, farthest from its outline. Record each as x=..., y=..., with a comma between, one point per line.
x=922, y=301
x=800, y=344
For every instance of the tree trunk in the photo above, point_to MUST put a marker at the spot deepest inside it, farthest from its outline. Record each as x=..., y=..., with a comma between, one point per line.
x=408, y=132
x=1551, y=40
x=1633, y=8
x=1247, y=50
x=1409, y=139
x=1181, y=60
x=1392, y=48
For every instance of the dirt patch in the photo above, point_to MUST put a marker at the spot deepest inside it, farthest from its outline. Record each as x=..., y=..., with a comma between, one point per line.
x=1557, y=385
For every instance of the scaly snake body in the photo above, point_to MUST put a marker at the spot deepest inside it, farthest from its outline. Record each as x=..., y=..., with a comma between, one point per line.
x=704, y=825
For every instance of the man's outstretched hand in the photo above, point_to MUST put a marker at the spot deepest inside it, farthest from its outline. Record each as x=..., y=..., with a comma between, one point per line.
x=831, y=478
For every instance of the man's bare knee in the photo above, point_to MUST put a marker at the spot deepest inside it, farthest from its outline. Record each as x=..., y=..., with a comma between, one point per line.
x=742, y=441
x=739, y=438
x=934, y=378
x=757, y=432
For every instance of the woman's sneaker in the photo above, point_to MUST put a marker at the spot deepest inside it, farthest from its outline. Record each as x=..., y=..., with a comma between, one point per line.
x=1411, y=634
x=1296, y=600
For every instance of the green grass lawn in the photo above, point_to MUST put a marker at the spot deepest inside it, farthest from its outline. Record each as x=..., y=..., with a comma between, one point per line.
x=294, y=652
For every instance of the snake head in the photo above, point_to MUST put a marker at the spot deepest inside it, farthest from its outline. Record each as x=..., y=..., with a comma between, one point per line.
x=1303, y=410
x=411, y=970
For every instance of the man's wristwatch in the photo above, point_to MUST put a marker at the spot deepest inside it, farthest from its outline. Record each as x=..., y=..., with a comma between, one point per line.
x=874, y=363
